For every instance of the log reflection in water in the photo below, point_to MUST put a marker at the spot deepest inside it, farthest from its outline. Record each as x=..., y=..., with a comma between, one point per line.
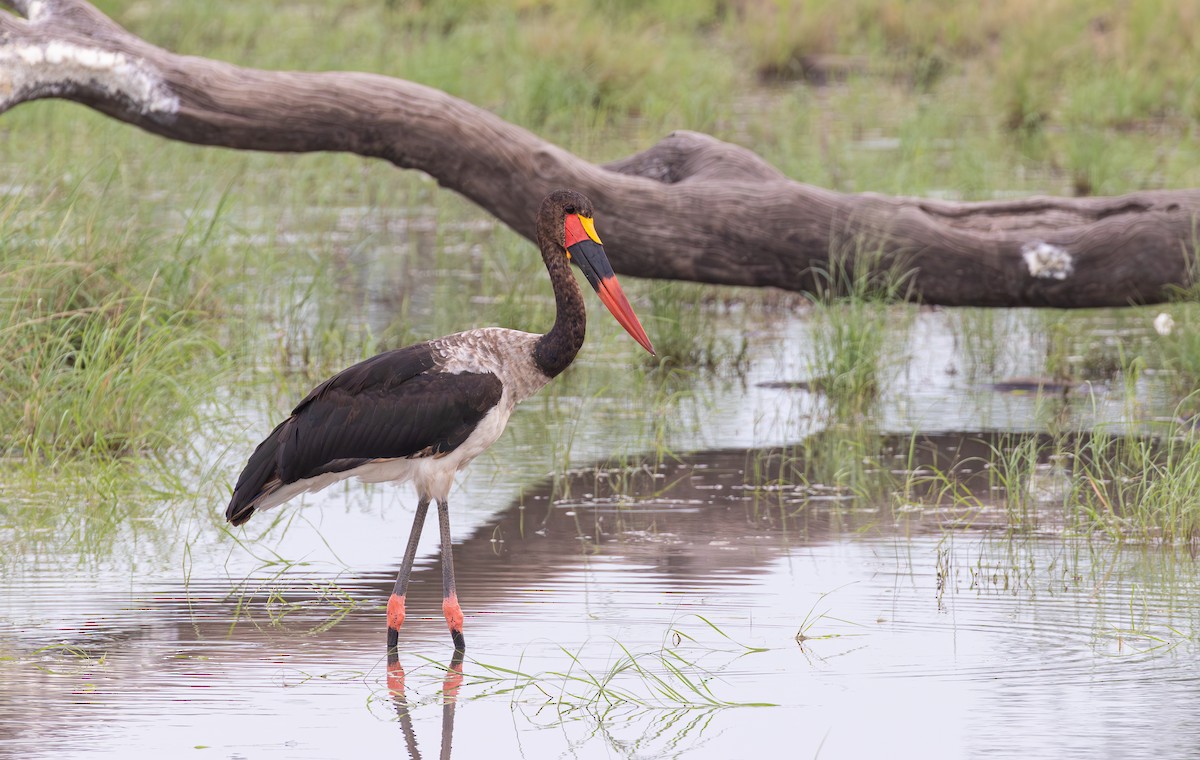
x=709, y=518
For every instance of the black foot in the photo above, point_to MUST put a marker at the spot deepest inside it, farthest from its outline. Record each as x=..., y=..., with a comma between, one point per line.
x=393, y=639
x=460, y=643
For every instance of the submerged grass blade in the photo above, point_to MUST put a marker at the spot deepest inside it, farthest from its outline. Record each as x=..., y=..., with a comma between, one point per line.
x=664, y=679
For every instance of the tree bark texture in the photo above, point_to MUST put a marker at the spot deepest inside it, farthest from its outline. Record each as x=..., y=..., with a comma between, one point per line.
x=690, y=208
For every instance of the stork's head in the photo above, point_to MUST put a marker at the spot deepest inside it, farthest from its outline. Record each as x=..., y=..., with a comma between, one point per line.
x=577, y=235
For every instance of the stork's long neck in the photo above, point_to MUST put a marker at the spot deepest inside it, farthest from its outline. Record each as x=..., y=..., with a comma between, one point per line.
x=555, y=350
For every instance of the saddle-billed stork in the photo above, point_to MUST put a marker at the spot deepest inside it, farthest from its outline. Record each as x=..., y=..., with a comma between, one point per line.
x=423, y=412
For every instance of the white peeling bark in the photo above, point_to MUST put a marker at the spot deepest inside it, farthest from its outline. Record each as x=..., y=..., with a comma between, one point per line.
x=58, y=69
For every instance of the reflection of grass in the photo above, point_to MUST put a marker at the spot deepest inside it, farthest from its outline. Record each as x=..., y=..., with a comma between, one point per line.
x=1140, y=633
x=674, y=686
x=849, y=342
x=1178, y=351
x=630, y=727
x=981, y=342
x=324, y=603
x=845, y=466
x=1124, y=485
x=1132, y=598
x=89, y=508
x=1035, y=345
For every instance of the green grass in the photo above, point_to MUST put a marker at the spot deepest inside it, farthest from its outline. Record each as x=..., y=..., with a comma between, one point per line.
x=1065, y=97
x=687, y=322
x=850, y=348
x=105, y=342
x=1178, y=352
x=1141, y=489
x=851, y=353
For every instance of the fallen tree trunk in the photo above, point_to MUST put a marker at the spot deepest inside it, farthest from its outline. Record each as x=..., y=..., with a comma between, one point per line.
x=689, y=208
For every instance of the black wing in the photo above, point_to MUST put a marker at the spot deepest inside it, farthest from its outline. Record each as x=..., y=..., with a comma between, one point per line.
x=388, y=406
x=426, y=414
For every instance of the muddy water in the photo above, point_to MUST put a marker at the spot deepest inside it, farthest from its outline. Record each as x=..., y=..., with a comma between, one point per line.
x=682, y=588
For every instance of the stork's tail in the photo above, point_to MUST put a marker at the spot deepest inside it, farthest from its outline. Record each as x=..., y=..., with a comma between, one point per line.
x=259, y=479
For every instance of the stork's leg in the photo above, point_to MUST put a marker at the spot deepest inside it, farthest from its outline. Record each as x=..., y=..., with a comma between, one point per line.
x=450, y=608
x=396, y=602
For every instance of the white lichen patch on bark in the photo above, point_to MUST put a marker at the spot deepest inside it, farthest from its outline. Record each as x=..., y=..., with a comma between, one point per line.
x=34, y=9
x=1047, y=261
x=55, y=68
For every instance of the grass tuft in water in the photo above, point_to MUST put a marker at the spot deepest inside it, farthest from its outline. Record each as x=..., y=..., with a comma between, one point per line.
x=1141, y=488
x=686, y=330
x=854, y=312
x=107, y=337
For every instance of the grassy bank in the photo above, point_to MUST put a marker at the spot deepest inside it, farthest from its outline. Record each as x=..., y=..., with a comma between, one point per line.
x=107, y=330
x=907, y=97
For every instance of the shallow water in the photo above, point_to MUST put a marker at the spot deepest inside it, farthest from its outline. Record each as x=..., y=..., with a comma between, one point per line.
x=626, y=604
x=915, y=642
x=880, y=633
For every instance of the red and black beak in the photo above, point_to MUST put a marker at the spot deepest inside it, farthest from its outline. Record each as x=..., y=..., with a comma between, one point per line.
x=585, y=249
